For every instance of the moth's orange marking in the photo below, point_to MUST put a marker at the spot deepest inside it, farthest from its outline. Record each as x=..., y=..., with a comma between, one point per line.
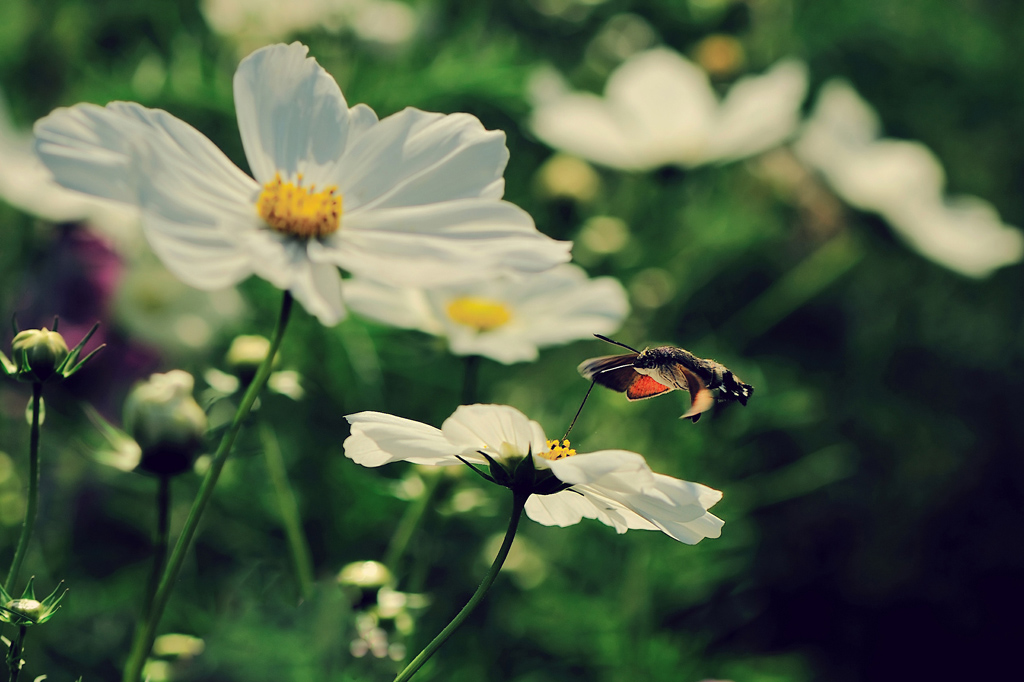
x=645, y=387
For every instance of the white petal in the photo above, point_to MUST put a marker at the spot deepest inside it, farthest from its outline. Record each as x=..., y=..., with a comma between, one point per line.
x=658, y=109
x=561, y=509
x=677, y=508
x=501, y=430
x=445, y=243
x=886, y=174
x=196, y=205
x=585, y=125
x=379, y=438
x=669, y=104
x=28, y=185
x=291, y=114
x=416, y=157
x=87, y=150
x=286, y=264
x=568, y=507
x=613, y=470
x=964, y=234
x=563, y=305
x=759, y=112
x=840, y=117
x=403, y=307
x=626, y=494
x=502, y=346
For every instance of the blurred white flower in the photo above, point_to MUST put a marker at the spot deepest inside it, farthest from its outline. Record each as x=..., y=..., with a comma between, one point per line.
x=420, y=191
x=28, y=185
x=506, y=319
x=388, y=22
x=615, y=487
x=155, y=307
x=903, y=182
x=659, y=109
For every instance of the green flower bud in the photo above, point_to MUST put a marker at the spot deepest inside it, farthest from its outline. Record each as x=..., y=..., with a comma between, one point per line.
x=246, y=354
x=38, y=353
x=29, y=609
x=166, y=421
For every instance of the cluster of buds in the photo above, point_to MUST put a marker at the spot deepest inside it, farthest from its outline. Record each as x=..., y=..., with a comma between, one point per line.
x=42, y=356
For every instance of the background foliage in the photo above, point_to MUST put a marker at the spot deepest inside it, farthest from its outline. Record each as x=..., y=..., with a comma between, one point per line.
x=874, y=487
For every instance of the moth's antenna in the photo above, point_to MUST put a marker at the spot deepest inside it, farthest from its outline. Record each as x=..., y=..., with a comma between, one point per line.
x=605, y=338
x=578, y=411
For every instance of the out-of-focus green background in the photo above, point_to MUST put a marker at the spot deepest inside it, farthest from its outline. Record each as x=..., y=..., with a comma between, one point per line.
x=874, y=486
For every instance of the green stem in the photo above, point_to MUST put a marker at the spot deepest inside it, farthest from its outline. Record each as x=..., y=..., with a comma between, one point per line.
x=469, y=379
x=297, y=544
x=32, y=508
x=810, y=277
x=146, y=632
x=15, y=652
x=163, y=507
x=518, y=503
x=415, y=512
x=410, y=522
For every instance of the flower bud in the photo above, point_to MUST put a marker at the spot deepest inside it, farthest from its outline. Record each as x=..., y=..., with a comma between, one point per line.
x=246, y=354
x=29, y=609
x=166, y=421
x=38, y=353
x=364, y=574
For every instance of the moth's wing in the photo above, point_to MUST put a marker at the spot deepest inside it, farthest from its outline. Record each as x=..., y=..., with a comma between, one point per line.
x=644, y=386
x=701, y=397
x=611, y=371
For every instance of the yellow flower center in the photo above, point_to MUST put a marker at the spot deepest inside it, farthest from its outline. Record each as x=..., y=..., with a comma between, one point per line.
x=557, y=450
x=483, y=314
x=299, y=211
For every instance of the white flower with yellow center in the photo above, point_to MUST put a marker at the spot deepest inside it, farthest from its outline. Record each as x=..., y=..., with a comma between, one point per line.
x=615, y=487
x=506, y=319
x=659, y=109
x=413, y=199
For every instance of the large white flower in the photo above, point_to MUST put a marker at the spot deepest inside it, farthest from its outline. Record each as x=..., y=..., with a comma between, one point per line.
x=659, y=109
x=904, y=182
x=506, y=319
x=615, y=487
x=413, y=199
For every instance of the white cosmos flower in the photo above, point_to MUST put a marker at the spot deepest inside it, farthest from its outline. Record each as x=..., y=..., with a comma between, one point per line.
x=413, y=199
x=506, y=319
x=659, y=109
x=615, y=487
x=903, y=182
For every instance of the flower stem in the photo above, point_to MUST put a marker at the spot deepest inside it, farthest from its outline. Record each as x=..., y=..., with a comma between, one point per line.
x=518, y=503
x=469, y=379
x=32, y=508
x=15, y=652
x=146, y=632
x=289, y=512
x=163, y=508
x=410, y=521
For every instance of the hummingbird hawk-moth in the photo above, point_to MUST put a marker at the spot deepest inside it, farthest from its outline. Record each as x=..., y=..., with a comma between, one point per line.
x=646, y=373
